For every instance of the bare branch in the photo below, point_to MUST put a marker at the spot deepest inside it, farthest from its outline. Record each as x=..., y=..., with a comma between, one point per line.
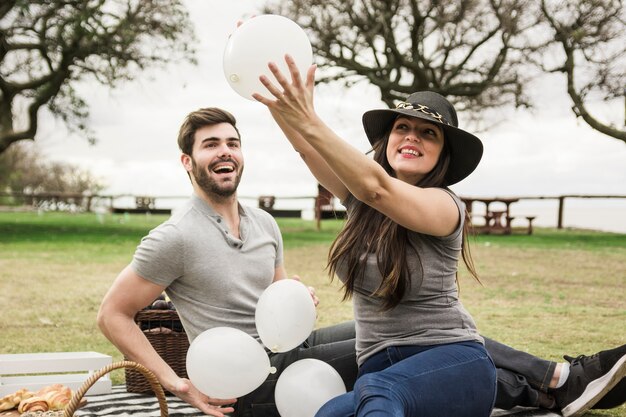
x=592, y=39
x=48, y=45
x=481, y=53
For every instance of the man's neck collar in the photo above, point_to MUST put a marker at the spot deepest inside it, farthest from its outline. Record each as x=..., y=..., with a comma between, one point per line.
x=227, y=207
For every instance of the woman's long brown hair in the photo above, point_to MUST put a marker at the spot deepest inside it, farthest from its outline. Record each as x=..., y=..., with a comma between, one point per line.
x=369, y=231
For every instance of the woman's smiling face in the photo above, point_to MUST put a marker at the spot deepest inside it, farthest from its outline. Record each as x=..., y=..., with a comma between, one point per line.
x=413, y=148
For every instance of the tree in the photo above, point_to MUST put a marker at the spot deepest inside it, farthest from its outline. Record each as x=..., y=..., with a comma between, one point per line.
x=592, y=37
x=25, y=174
x=481, y=54
x=468, y=50
x=47, y=46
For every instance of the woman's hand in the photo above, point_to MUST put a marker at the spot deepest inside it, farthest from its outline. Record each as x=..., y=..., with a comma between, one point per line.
x=293, y=103
x=185, y=390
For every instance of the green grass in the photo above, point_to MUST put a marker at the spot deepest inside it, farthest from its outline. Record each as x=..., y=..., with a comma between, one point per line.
x=553, y=293
x=85, y=238
x=300, y=233
x=554, y=238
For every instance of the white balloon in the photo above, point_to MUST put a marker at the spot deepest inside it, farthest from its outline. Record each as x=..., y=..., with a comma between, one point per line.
x=224, y=362
x=305, y=386
x=285, y=315
x=258, y=41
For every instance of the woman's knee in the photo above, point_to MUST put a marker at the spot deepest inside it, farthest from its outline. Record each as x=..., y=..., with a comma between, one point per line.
x=374, y=396
x=371, y=382
x=375, y=386
x=341, y=406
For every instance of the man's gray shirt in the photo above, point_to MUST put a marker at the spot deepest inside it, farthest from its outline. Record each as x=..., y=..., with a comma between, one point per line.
x=213, y=278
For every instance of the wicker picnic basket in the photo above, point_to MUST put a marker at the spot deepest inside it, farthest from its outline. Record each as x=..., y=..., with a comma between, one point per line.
x=70, y=409
x=166, y=334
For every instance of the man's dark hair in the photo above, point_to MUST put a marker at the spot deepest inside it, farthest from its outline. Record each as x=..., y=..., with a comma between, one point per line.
x=198, y=119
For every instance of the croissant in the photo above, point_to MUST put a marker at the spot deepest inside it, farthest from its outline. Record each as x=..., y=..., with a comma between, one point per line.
x=6, y=404
x=33, y=404
x=57, y=400
x=11, y=401
x=50, y=388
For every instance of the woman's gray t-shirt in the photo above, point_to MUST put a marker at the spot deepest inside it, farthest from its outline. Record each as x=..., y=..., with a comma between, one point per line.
x=430, y=312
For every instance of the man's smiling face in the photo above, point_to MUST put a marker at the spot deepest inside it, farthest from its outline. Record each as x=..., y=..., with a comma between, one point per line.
x=217, y=160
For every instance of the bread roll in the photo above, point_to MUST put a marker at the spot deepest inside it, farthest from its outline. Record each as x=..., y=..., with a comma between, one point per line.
x=50, y=388
x=57, y=400
x=33, y=404
x=11, y=401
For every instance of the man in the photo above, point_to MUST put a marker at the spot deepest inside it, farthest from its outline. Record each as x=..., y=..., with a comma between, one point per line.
x=214, y=257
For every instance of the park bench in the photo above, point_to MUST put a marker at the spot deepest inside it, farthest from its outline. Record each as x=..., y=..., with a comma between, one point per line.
x=494, y=222
x=266, y=202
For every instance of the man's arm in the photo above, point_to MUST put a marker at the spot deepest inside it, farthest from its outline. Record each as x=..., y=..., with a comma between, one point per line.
x=129, y=294
x=279, y=273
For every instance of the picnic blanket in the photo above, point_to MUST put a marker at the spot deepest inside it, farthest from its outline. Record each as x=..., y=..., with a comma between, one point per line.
x=123, y=404
x=120, y=403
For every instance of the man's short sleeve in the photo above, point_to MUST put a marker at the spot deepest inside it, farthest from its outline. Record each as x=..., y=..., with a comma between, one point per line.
x=279, y=249
x=159, y=258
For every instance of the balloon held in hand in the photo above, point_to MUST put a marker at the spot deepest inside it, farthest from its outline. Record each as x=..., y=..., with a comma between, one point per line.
x=224, y=362
x=285, y=315
x=258, y=41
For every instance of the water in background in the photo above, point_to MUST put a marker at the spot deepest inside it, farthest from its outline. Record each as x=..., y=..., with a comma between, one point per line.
x=597, y=214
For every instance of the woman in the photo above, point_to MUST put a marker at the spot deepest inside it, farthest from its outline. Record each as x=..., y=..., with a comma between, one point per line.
x=418, y=349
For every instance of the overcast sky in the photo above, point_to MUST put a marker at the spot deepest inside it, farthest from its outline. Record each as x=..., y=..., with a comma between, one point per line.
x=547, y=152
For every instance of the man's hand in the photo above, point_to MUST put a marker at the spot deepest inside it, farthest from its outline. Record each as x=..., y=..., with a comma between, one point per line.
x=316, y=300
x=185, y=390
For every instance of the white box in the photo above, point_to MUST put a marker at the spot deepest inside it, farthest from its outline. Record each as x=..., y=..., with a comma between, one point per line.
x=34, y=371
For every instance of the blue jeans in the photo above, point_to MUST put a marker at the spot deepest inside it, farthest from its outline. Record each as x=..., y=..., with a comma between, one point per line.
x=453, y=380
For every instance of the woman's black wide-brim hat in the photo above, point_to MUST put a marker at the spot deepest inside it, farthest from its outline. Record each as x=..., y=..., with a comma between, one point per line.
x=466, y=150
